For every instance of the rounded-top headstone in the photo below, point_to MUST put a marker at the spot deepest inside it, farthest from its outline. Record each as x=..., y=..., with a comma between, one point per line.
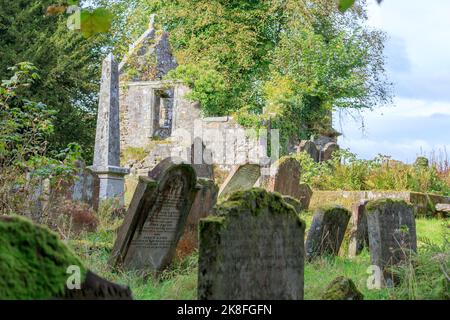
x=156, y=217
x=253, y=249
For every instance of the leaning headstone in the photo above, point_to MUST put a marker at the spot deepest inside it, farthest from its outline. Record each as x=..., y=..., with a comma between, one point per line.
x=310, y=148
x=253, y=249
x=284, y=178
x=327, y=232
x=202, y=207
x=156, y=217
x=342, y=288
x=107, y=140
x=328, y=151
x=359, y=238
x=392, y=234
x=242, y=177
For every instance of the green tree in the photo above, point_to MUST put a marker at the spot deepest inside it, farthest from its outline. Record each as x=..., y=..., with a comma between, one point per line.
x=290, y=62
x=69, y=66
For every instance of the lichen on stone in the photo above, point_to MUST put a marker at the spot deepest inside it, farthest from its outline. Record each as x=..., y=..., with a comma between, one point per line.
x=253, y=201
x=373, y=205
x=33, y=261
x=342, y=288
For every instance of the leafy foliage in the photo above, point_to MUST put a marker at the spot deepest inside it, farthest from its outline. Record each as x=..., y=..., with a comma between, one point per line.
x=69, y=66
x=346, y=172
x=290, y=62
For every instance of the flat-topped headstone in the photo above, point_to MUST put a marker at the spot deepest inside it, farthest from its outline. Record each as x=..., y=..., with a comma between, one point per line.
x=359, y=237
x=327, y=232
x=156, y=217
x=253, y=249
x=310, y=148
x=392, y=234
x=242, y=177
x=284, y=178
x=202, y=207
x=328, y=150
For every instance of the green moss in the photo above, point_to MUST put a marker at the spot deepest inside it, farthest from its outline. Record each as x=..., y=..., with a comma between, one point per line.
x=253, y=201
x=33, y=261
x=342, y=288
x=373, y=205
x=133, y=153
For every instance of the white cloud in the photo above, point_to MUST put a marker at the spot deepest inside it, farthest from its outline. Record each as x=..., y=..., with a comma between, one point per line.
x=418, y=63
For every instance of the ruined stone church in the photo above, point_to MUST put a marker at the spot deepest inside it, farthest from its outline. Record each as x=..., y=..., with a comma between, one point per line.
x=153, y=110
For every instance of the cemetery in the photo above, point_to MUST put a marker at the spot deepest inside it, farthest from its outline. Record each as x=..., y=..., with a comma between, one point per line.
x=178, y=202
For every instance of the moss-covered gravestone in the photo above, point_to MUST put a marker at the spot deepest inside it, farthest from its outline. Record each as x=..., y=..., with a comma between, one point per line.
x=342, y=288
x=36, y=265
x=359, y=237
x=327, y=232
x=252, y=249
x=242, y=177
x=392, y=234
x=156, y=217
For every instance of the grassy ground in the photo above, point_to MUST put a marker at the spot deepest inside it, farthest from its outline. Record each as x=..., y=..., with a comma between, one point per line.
x=180, y=280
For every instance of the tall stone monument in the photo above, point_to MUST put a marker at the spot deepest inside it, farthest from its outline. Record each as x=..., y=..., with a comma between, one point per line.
x=107, y=141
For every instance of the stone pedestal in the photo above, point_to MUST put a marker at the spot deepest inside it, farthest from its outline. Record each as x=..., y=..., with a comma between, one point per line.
x=112, y=182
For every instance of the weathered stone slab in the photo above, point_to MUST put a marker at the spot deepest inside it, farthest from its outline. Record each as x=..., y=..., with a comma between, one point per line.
x=242, y=177
x=298, y=206
x=310, y=148
x=202, y=207
x=284, y=178
x=156, y=217
x=253, y=249
x=392, y=234
x=327, y=152
x=327, y=232
x=306, y=194
x=359, y=238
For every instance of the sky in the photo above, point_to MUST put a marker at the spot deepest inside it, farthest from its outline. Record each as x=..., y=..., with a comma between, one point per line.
x=418, y=63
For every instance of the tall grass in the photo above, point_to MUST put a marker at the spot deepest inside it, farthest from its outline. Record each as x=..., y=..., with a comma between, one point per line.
x=345, y=172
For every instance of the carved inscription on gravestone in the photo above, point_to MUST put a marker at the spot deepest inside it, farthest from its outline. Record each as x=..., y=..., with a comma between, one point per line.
x=156, y=218
x=253, y=249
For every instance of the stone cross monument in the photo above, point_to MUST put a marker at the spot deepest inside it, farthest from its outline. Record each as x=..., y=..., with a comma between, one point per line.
x=107, y=140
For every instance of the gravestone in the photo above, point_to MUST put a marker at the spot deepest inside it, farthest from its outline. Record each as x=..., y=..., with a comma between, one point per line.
x=328, y=150
x=156, y=217
x=392, y=234
x=36, y=265
x=327, y=232
x=242, y=177
x=305, y=195
x=295, y=203
x=202, y=207
x=310, y=148
x=198, y=155
x=359, y=238
x=253, y=249
x=284, y=178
